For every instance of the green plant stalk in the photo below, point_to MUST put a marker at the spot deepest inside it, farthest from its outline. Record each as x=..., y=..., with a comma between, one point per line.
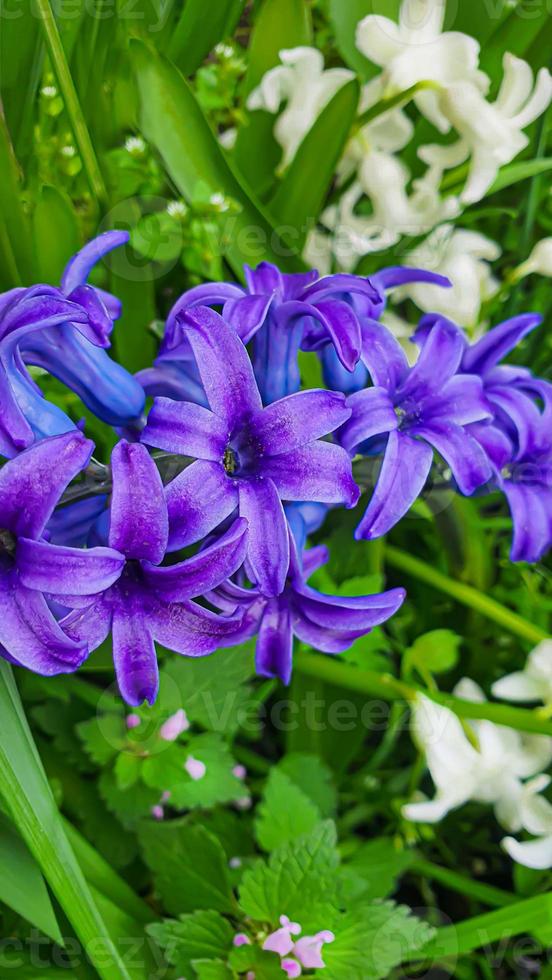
x=391, y=689
x=479, y=890
x=394, y=102
x=466, y=595
x=74, y=111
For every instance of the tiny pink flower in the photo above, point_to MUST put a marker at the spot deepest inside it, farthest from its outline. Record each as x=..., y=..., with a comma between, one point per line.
x=250, y=975
x=165, y=795
x=244, y=803
x=132, y=721
x=280, y=941
x=239, y=771
x=291, y=967
x=157, y=812
x=240, y=939
x=308, y=949
x=174, y=726
x=195, y=768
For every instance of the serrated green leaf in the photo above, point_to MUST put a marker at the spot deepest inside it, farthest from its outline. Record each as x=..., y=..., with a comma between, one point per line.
x=284, y=813
x=212, y=970
x=166, y=772
x=212, y=690
x=436, y=651
x=378, y=863
x=127, y=770
x=103, y=737
x=189, y=867
x=254, y=960
x=314, y=777
x=204, y=935
x=298, y=880
x=371, y=941
x=130, y=805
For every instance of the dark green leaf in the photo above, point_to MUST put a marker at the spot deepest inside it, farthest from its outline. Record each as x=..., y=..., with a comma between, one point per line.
x=203, y=934
x=284, y=813
x=195, y=35
x=22, y=886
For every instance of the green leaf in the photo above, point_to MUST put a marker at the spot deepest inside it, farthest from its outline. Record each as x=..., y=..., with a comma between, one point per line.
x=54, y=210
x=189, y=867
x=203, y=934
x=165, y=771
x=371, y=941
x=298, y=880
x=284, y=813
x=378, y=863
x=212, y=970
x=22, y=886
x=436, y=651
x=314, y=777
x=173, y=122
x=212, y=690
x=254, y=960
x=195, y=35
x=279, y=24
x=27, y=795
x=16, y=248
x=127, y=770
x=103, y=737
x=515, y=34
x=302, y=192
x=515, y=172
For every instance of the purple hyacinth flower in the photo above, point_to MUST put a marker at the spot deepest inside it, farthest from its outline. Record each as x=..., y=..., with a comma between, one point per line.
x=73, y=350
x=327, y=623
x=144, y=602
x=286, y=312
x=30, y=487
x=247, y=457
x=524, y=473
x=419, y=409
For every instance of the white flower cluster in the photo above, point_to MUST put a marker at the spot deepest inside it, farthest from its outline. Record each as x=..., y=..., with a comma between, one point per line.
x=492, y=764
x=380, y=202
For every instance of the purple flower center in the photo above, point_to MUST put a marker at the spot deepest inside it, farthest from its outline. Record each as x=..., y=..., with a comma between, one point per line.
x=230, y=461
x=8, y=542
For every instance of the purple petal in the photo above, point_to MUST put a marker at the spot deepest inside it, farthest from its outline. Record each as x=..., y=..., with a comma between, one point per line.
x=274, y=650
x=205, y=571
x=246, y=314
x=313, y=559
x=349, y=613
x=405, y=468
x=522, y=413
x=207, y=294
x=90, y=624
x=139, y=524
x=321, y=638
x=78, y=268
x=30, y=633
x=494, y=345
x=439, y=360
x=134, y=655
x=172, y=379
x=338, y=284
x=341, y=325
x=400, y=275
x=99, y=324
x=275, y=357
x=185, y=428
x=495, y=443
x=462, y=400
x=224, y=365
x=266, y=278
x=268, y=549
x=320, y=471
x=466, y=458
x=192, y=630
x=67, y=571
x=32, y=483
x=198, y=500
x=40, y=308
x=531, y=518
x=293, y=421
x=15, y=432
x=383, y=356
x=372, y=413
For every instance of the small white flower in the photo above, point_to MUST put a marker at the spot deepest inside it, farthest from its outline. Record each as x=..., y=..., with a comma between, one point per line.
x=228, y=138
x=416, y=50
x=135, y=145
x=49, y=91
x=534, y=682
x=539, y=261
x=177, y=209
x=463, y=257
x=68, y=151
x=491, y=133
x=219, y=201
x=301, y=82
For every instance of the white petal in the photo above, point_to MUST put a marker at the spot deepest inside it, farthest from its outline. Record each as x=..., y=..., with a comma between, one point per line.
x=422, y=20
x=430, y=811
x=378, y=39
x=518, y=686
x=516, y=86
x=469, y=691
x=536, y=814
x=539, y=101
x=532, y=854
x=539, y=661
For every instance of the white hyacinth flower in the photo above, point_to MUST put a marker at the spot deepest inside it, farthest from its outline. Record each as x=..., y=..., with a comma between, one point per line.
x=491, y=133
x=539, y=261
x=463, y=256
x=534, y=682
x=464, y=771
x=416, y=50
x=302, y=83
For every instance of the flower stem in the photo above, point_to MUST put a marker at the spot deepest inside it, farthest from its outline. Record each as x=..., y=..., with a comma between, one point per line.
x=465, y=594
x=401, y=99
x=71, y=99
x=478, y=890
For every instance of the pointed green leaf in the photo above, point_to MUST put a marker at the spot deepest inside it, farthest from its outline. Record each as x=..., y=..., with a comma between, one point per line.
x=22, y=886
x=195, y=35
x=284, y=813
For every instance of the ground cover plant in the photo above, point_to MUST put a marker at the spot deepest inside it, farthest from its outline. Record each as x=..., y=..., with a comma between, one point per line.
x=275, y=489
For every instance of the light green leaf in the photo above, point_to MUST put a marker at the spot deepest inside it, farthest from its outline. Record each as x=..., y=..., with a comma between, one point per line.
x=22, y=886
x=436, y=651
x=189, y=867
x=298, y=880
x=254, y=960
x=378, y=863
x=522, y=170
x=284, y=813
x=195, y=35
x=314, y=777
x=27, y=796
x=165, y=771
x=212, y=690
x=203, y=934
x=302, y=192
x=371, y=941
x=173, y=122
x=212, y=970
x=54, y=210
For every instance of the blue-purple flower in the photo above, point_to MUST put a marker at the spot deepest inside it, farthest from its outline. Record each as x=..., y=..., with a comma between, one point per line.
x=327, y=623
x=417, y=410
x=124, y=590
x=247, y=457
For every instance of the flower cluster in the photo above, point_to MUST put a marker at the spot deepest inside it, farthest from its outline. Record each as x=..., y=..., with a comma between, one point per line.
x=295, y=953
x=217, y=553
